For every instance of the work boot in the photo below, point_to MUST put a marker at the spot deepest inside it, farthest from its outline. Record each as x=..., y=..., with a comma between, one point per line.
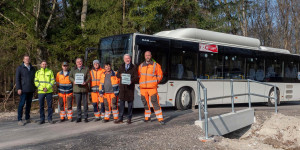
x=104, y=121
x=86, y=120
x=78, y=120
x=61, y=120
x=149, y=120
x=118, y=121
x=50, y=122
x=41, y=122
x=21, y=123
x=96, y=119
x=128, y=121
x=162, y=122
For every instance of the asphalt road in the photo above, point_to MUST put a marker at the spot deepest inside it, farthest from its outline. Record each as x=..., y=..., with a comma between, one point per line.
x=178, y=133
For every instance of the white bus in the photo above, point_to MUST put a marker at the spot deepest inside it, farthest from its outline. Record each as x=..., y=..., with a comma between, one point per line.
x=189, y=53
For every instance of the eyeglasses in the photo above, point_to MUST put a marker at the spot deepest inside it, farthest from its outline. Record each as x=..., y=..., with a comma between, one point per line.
x=65, y=66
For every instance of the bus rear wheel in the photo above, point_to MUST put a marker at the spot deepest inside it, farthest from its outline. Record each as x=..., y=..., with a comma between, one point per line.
x=271, y=101
x=184, y=99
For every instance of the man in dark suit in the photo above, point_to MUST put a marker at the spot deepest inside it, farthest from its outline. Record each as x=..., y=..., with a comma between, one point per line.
x=127, y=87
x=25, y=86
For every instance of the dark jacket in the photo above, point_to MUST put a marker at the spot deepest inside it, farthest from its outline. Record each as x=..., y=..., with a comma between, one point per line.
x=127, y=91
x=80, y=88
x=25, y=78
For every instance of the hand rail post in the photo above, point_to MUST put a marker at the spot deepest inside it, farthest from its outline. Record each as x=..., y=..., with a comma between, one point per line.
x=205, y=112
x=249, y=94
x=232, y=95
x=199, y=99
x=275, y=98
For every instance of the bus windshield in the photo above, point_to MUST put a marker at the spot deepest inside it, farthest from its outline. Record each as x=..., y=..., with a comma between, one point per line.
x=113, y=48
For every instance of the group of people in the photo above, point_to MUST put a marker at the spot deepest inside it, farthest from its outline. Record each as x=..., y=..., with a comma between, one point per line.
x=106, y=86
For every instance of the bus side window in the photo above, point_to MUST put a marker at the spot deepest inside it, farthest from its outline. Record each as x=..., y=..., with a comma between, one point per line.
x=234, y=67
x=183, y=64
x=211, y=66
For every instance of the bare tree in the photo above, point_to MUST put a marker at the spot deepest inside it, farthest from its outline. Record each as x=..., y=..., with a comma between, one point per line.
x=296, y=24
x=44, y=33
x=284, y=8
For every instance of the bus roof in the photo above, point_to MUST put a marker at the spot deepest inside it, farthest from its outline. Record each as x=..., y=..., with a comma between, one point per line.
x=205, y=36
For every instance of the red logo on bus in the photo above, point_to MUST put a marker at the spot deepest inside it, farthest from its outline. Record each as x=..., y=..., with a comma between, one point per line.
x=208, y=48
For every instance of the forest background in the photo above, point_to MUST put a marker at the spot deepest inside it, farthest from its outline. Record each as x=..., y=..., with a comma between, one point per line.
x=61, y=30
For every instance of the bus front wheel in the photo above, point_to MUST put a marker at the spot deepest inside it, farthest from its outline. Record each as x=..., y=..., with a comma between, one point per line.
x=184, y=99
x=271, y=101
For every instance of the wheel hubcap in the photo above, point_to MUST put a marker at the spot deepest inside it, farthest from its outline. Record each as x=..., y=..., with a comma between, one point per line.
x=272, y=100
x=185, y=98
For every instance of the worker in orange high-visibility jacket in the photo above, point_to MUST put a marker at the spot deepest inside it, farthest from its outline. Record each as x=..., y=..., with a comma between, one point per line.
x=150, y=74
x=95, y=74
x=65, y=90
x=109, y=90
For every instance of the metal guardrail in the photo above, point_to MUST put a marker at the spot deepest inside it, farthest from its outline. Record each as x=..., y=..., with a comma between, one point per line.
x=201, y=86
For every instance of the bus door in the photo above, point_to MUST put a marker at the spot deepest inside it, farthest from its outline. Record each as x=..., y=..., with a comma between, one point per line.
x=160, y=50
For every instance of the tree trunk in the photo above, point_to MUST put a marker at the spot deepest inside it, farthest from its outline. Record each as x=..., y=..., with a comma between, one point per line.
x=65, y=6
x=44, y=34
x=37, y=9
x=83, y=15
x=269, y=24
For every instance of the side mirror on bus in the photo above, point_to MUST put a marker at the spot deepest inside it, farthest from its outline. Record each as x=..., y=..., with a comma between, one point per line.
x=136, y=59
x=87, y=51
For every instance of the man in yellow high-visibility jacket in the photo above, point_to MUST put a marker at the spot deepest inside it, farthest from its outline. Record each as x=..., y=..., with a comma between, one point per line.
x=44, y=81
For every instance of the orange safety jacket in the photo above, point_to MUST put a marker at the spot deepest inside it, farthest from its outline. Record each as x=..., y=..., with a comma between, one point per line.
x=95, y=79
x=150, y=75
x=63, y=83
x=114, y=82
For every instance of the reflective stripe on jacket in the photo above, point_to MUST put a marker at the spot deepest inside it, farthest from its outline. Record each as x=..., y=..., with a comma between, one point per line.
x=63, y=83
x=95, y=79
x=114, y=82
x=150, y=75
x=44, y=78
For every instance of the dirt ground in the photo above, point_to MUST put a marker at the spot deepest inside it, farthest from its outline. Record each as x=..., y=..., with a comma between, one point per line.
x=272, y=131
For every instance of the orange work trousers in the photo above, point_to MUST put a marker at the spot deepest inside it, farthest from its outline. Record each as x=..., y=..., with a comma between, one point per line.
x=153, y=95
x=63, y=99
x=110, y=104
x=95, y=101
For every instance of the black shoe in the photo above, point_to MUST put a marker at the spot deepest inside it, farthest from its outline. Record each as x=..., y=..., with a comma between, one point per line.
x=128, y=121
x=61, y=120
x=78, y=120
x=41, y=122
x=50, y=121
x=86, y=120
x=104, y=121
x=149, y=120
x=162, y=122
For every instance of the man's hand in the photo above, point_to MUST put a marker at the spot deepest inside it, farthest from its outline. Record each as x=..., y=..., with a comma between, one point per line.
x=45, y=89
x=84, y=83
x=101, y=95
x=19, y=92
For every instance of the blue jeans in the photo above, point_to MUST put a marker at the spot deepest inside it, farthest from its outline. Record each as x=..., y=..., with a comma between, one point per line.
x=25, y=98
x=42, y=103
